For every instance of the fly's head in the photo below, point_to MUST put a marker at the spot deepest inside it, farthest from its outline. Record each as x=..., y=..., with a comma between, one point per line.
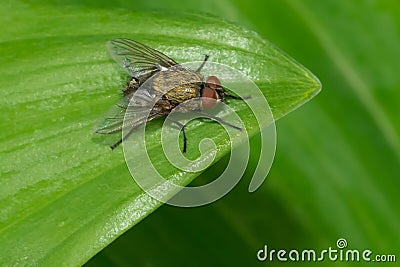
x=212, y=92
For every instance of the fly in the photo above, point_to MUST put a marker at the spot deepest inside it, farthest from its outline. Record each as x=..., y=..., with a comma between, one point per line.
x=142, y=62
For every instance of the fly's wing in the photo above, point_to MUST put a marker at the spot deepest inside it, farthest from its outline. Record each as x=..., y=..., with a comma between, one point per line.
x=113, y=120
x=138, y=60
x=138, y=111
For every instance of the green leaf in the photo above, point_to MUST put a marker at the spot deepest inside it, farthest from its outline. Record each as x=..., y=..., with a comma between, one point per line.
x=335, y=173
x=63, y=197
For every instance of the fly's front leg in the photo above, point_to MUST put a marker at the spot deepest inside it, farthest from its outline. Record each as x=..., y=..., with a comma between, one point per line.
x=227, y=94
x=217, y=119
x=182, y=127
x=203, y=63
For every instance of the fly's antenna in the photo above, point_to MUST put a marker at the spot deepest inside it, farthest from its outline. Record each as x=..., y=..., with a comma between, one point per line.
x=202, y=64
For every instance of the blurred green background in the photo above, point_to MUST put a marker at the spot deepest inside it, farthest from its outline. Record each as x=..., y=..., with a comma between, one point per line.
x=336, y=171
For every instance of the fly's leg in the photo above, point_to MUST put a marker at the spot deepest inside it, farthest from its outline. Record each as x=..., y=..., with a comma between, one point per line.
x=217, y=119
x=182, y=127
x=123, y=139
x=229, y=95
x=202, y=64
x=128, y=134
x=116, y=144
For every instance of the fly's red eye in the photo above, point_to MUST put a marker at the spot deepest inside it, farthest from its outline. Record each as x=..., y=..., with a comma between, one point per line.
x=209, y=92
x=213, y=82
x=209, y=97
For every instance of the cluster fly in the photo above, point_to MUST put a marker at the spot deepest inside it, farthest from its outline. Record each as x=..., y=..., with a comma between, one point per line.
x=142, y=63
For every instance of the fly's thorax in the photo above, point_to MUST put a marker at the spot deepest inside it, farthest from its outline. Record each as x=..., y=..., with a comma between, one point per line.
x=174, y=79
x=177, y=85
x=183, y=93
x=164, y=106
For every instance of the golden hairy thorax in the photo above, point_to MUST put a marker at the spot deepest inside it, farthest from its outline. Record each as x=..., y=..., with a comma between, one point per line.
x=177, y=85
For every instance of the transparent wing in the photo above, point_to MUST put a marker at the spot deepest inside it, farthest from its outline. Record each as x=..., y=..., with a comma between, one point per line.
x=137, y=59
x=140, y=109
x=113, y=120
